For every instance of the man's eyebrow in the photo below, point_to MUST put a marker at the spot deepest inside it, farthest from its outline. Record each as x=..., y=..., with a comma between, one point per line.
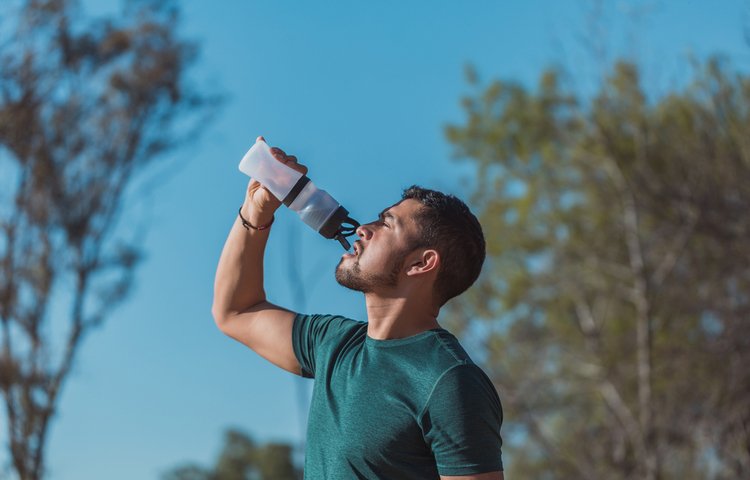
x=387, y=214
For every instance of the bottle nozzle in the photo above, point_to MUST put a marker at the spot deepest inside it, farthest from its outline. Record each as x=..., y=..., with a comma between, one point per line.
x=344, y=232
x=339, y=226
x=344, y=242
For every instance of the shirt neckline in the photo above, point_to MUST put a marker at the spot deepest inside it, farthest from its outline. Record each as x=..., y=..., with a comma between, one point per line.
x=395, y=342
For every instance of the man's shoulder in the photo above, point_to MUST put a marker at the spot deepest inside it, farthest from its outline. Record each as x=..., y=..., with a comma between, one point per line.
x=318, y=338
x=428, y=361
x=450, y=348
x=450, y=362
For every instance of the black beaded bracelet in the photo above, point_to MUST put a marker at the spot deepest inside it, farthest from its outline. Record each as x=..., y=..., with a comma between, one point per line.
x=249, y=225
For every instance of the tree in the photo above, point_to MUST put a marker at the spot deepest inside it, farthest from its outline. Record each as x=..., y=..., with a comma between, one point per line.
x=85, y=105
x=241, y=459
x=614, y=307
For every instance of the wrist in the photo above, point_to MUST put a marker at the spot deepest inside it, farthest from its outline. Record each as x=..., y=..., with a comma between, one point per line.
x=252, y=219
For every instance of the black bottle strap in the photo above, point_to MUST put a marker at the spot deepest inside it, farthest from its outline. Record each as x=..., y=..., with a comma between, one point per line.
x=303, y=180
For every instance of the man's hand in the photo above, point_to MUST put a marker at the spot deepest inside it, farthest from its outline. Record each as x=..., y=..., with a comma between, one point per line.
x=260, y=204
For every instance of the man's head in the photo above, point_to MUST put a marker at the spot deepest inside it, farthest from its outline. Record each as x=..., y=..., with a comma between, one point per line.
x=423, y=222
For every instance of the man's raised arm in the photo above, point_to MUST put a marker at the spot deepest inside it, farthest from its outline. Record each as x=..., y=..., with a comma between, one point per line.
x=240, y=308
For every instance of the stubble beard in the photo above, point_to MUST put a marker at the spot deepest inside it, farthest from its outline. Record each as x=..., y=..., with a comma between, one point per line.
x=354, y=278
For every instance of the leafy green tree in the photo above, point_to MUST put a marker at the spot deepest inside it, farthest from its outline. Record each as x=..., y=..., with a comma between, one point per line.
x=85, y=106
x=242, y=459
x=613, y=312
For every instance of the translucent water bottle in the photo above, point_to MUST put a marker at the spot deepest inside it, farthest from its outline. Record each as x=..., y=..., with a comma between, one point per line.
x=314, y=206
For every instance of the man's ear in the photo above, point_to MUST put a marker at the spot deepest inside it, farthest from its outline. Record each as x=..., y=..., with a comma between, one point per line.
x=424, y=262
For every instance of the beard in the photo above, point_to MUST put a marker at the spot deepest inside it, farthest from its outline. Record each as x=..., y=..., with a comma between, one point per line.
x=354, y=278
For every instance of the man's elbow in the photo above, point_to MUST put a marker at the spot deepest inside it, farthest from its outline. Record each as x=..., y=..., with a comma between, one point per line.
x=222, y=317
x=226, y=318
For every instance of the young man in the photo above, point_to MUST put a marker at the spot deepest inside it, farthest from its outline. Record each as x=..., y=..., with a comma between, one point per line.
x=396, y=397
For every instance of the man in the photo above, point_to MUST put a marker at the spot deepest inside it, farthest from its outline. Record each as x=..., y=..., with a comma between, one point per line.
x=396, y=397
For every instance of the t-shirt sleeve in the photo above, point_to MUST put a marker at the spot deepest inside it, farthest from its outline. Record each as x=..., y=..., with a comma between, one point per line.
x=461, y=422
x=310, y=332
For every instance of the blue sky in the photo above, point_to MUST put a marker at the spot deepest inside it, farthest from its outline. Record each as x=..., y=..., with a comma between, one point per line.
x=360, y=92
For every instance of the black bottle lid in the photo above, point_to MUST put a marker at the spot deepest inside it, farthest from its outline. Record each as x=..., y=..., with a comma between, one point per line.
x=335, y=227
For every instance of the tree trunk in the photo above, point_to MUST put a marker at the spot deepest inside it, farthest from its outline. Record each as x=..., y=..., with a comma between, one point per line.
x=650, y=461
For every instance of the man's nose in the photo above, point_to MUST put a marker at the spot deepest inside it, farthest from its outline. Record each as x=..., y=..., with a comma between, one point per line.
x=364, y=232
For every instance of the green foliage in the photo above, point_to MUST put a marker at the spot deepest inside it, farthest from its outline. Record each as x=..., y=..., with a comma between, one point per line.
x=242, y=459
x=615, y=300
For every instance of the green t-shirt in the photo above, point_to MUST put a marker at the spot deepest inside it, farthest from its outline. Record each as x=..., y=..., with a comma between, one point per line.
x=409, y=408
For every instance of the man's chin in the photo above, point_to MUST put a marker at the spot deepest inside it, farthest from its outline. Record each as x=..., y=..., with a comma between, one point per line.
x=348, y=279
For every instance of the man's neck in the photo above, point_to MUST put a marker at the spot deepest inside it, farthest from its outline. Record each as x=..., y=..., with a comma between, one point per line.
x=398, y=317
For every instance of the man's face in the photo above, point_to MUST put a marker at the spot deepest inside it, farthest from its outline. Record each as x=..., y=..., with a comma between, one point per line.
x=379, y=254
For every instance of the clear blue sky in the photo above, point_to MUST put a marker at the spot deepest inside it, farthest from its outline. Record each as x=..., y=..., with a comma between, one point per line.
x=360, y=92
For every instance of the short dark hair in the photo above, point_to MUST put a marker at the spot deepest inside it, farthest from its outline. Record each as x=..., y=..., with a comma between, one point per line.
x=448, y=226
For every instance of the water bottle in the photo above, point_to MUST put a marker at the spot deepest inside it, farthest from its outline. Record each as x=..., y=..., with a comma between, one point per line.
x=314, y=206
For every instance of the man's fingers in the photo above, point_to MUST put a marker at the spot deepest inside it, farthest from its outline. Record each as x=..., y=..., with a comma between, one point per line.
x=296, y=166
x=289, y=160
x=253, y=186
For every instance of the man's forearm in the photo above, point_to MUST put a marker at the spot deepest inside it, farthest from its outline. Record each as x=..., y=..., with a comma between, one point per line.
x=239, y=276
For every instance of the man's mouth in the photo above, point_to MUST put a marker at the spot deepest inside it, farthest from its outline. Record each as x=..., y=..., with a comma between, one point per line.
x=356, y=250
